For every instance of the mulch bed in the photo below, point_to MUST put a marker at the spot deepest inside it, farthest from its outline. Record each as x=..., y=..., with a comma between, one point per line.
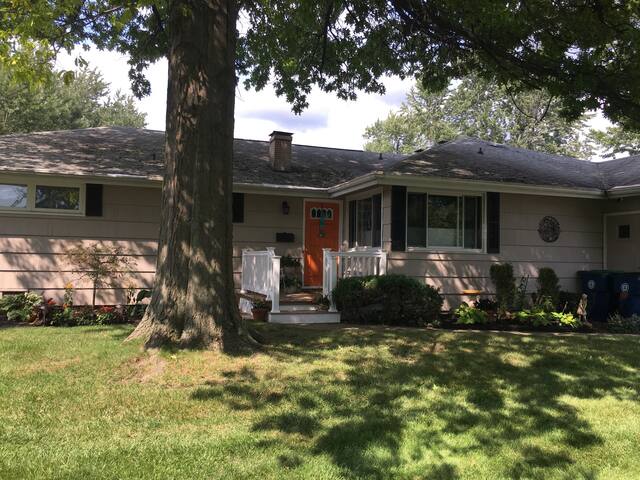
x=594, y=327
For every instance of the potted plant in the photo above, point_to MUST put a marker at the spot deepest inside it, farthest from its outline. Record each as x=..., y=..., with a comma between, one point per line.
x=260, y=310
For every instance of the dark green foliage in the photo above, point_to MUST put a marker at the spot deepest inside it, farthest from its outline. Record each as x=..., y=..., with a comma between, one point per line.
x=568, y=301
x=69, y=316
x=57, y=105
x=618, y=324
x=504, y=283
x=486, y=304
x=482, y=109
x=387, y=299
x=548, y=285
x=21, y=307
x=616, y=141
x=468, y=315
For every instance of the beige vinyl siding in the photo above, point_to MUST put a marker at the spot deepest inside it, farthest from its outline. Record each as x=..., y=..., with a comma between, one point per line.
x=623, y=253
x=263, y=218
x=578, y=248
x=32, y=246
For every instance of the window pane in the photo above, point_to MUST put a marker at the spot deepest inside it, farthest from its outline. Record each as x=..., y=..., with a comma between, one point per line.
x=364, y=222
x=13, y=196
x=472, y=222
x=443, y=221
x=416, y=220
x=376, y=219
x=60, y=198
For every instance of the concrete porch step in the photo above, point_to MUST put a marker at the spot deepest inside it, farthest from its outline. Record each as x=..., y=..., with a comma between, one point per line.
x=304, y=316
x=300, y=307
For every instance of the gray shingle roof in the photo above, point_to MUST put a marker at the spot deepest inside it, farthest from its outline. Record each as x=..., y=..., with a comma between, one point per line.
x=118, y=151
x=472, y=159
x=136, y=152
x=622, y=172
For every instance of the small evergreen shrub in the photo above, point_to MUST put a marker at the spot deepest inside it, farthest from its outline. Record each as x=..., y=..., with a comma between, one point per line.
x=504, y=283
x=548, y=285
x=387, y=299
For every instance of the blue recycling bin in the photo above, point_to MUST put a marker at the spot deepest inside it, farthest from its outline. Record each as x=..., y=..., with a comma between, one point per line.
x=596, y=284
x=626, y=293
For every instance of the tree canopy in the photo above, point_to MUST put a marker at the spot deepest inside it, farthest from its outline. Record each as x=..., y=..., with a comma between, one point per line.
x=479, y=108
x=62, y=103
x=616, y=141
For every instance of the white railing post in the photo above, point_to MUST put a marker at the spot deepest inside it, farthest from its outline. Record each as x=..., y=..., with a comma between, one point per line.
x=275, y=284
x=383, y=262
x=326, y=257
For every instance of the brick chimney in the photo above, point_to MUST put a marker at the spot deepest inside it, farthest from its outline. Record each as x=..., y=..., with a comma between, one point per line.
x=280, y=150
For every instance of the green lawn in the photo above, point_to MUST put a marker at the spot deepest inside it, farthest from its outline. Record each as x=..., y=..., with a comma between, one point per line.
x=320, y=403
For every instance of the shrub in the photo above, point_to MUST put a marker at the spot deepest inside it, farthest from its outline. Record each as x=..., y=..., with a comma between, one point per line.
x=20, y=307
x=536, y=317
x=486, y=304
x=468, y=315
x=568, y=301
x=504, y=283
x=566, y=319
x=618, y=324
x=387, y=299
x=548, y=285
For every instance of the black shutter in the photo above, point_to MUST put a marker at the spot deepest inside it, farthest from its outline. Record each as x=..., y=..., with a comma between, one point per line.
x=493, y=222
x=398, y=218
x=93, y=197
x=238, y=208
x=352, y=223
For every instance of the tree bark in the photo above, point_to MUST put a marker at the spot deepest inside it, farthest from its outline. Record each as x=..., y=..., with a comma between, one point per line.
x=193, y=304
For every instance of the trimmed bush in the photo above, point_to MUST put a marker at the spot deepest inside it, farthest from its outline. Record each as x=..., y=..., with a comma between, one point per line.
x=387, y=300
x=504, y=283
x=548, y=285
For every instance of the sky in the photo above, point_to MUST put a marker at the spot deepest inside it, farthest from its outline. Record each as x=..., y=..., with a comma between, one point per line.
x=328, y=121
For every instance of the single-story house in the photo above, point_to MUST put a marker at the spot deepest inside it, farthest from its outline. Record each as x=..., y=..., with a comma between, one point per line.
x=442, y=215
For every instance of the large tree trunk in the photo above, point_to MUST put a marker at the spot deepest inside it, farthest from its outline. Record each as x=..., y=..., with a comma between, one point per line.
x=193, y=303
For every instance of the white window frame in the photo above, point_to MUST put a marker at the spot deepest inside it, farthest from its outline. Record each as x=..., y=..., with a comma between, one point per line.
x=31, y=195
x=449, y=193
x=364, y=196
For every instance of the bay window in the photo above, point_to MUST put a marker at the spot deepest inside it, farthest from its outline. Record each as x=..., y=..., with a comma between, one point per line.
x=444, y=221
x=365, y=222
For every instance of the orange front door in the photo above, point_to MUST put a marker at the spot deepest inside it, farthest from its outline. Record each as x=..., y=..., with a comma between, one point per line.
x=321, y=230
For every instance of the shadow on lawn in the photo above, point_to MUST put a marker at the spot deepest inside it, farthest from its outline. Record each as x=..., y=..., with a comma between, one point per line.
x=432, y=397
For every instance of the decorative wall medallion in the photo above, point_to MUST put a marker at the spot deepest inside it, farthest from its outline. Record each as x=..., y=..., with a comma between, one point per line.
x=549, y=229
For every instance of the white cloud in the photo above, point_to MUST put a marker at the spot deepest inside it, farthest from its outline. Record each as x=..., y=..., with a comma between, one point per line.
x=327, y=122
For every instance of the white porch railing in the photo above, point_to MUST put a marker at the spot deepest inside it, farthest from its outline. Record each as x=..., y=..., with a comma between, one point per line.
x=260, y=274
x=358, y=262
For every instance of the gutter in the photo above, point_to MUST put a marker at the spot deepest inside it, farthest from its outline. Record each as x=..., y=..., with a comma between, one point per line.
x=363, y=182
x=379, y=178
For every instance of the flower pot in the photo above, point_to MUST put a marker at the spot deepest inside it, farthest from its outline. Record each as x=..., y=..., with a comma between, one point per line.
x=260, y=314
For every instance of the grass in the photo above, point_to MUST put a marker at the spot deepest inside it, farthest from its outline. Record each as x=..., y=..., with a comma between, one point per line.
x=321, y=403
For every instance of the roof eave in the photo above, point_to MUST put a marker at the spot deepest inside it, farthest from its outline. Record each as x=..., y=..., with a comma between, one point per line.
x=491, y=186
x=625, y=191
